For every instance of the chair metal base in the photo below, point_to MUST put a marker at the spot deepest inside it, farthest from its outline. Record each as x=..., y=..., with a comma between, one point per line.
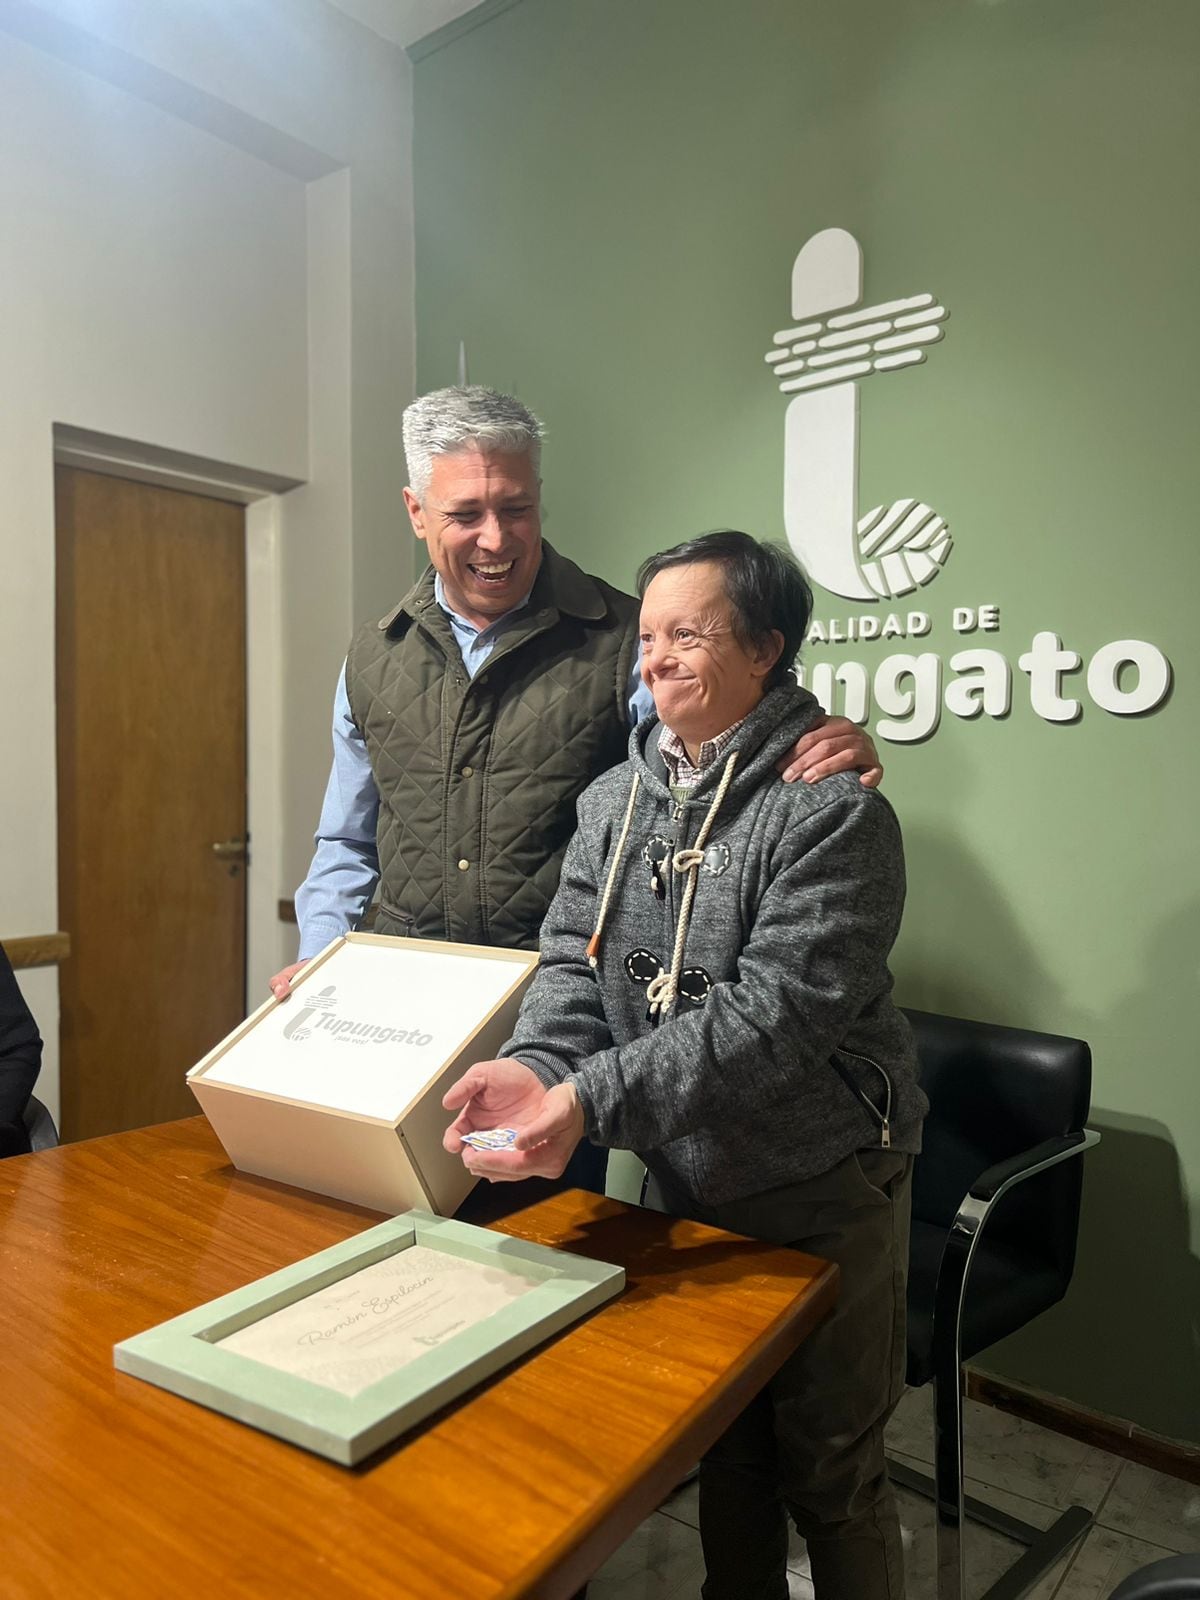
x=1044, y=1546
x=949, y=1475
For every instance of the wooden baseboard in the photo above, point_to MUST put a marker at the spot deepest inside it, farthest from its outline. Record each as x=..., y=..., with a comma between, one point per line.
x=38, y=949
x=1172, y=1456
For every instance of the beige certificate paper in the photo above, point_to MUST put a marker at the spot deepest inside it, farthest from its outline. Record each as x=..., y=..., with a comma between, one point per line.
x=377, y=1320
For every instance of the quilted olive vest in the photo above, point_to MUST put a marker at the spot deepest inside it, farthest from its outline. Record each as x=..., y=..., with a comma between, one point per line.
x=478, y=778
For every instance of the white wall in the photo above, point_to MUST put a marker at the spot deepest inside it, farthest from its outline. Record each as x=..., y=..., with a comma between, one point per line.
x=205, y=247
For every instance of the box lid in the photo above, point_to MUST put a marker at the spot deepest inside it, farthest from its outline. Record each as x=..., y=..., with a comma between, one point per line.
x=370, y=1023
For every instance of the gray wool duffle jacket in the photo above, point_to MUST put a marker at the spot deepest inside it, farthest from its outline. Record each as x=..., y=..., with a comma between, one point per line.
x=784, y=1052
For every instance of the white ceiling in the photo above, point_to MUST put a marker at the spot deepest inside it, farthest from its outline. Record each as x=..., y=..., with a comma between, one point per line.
x=404, y=21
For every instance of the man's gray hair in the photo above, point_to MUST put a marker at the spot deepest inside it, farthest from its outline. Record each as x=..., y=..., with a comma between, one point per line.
x=466, y=418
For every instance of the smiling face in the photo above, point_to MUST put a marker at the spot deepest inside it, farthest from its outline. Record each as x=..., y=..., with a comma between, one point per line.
x=480, y=518
x=702, y=677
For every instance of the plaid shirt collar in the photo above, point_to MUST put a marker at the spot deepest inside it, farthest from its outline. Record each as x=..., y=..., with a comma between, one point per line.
x=683, y=774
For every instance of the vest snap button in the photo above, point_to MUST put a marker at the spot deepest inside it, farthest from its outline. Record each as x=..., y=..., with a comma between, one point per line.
x=468, y=772
x=463, y=865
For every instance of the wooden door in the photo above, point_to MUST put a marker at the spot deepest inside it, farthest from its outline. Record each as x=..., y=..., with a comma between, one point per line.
x=151, y=678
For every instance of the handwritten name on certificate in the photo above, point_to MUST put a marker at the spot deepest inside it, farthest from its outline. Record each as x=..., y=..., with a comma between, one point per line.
x=370, y=1324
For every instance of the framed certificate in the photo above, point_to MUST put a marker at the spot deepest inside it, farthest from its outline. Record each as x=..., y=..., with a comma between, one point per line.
x=344, y=1351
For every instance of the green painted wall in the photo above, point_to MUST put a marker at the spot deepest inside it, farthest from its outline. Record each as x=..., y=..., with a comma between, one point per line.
x=610, y=195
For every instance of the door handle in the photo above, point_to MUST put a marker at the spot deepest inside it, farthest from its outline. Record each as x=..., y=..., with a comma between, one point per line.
x=231, y=849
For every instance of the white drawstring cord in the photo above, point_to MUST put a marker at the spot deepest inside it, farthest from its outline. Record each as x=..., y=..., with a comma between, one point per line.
x=593, y=949
x=664, y=990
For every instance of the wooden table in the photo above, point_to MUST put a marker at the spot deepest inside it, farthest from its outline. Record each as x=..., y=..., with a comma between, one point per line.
x=112, y=1487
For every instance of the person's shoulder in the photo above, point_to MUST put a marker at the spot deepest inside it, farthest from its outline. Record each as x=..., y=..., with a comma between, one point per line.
x=840, y=800
x=364, y=635
x=626, y=606
x=370, y=645
x=584, y=594
x=377, y=632
x=609, y=789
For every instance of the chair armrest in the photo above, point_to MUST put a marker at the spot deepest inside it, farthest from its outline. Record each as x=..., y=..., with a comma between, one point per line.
x=989, y=1185
x=39, y=1125
x=969, y=1222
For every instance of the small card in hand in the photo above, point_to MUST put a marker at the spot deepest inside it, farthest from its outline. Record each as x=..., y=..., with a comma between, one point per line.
x=491, y=1139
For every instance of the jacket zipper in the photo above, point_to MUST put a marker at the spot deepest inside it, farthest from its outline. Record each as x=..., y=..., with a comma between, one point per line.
x=676, y=844
x=884, y=1117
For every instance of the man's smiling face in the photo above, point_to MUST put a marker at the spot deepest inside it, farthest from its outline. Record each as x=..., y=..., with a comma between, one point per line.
x=481, y=520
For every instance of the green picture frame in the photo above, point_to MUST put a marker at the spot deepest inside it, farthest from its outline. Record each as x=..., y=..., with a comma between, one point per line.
x=184, y=1355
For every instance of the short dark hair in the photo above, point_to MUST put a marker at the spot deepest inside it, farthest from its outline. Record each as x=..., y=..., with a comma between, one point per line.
x=763, y=582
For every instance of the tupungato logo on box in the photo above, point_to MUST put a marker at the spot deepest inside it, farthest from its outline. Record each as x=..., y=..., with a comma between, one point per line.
x=319, y=1013
x=898, y=548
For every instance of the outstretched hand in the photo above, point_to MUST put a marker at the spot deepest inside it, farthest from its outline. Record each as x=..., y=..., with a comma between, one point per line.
x=506, y=1094
x=834, y=745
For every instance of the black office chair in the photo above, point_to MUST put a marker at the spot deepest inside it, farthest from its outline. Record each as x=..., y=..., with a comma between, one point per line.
x=1175, y=1578
x=1006, y=1116
x=39, y=1125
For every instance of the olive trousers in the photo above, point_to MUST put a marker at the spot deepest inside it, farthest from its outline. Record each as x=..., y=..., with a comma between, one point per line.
x=810, y=1445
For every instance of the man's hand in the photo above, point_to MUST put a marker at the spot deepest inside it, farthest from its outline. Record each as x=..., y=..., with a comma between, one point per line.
x=506, y=1094
x=281, y=984
x=833, y=745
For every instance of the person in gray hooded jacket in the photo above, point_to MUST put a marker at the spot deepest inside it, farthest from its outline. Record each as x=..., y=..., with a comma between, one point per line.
x=714, y=993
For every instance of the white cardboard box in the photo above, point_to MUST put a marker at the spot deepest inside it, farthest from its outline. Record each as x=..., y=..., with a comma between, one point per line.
x=339, y=1089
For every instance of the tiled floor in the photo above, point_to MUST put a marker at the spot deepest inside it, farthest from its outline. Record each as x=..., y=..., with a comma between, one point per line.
x=1017, y=1466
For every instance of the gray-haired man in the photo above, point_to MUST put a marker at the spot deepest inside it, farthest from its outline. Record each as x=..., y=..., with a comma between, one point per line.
x=468, y=721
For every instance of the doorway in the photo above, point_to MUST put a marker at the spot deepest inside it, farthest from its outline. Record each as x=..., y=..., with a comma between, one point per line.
x=151, y=687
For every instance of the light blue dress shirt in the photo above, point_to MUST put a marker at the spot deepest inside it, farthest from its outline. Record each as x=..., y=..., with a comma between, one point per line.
x=345, y=865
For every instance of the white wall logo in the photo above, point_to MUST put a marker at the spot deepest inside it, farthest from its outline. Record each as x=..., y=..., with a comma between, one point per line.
x=833, y=345
x=893, y=549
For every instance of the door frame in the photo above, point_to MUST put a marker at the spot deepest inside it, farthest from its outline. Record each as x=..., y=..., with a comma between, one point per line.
x=260, y=493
